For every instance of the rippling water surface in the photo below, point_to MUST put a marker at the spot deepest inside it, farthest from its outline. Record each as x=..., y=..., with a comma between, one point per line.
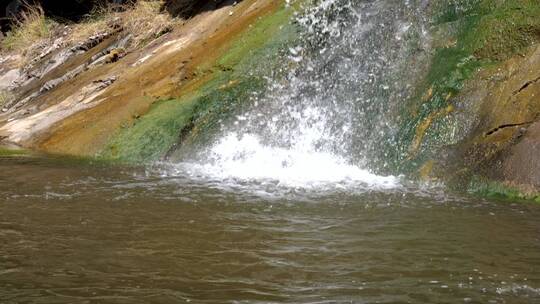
x=84, y=233
x=284, y=206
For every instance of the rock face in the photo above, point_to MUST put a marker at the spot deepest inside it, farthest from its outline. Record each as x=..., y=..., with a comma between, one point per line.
x=99, y=98
x=502, y=105
x=476, y=115
x=522, y=165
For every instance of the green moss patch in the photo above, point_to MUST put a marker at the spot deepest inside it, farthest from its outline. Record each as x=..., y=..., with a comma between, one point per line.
x=218, y=107
x=151, y=135
x=487, y=188
x=478, y=34
x=258, y=46
x=194, y=117
x=493, y=30
x=6, y=152
x=506, y=28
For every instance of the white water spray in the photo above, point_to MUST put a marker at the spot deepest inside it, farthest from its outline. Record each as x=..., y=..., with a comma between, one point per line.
x=322, y=125
x=243, y=158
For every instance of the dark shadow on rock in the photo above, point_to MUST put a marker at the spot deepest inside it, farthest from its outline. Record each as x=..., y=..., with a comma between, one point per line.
x=60, y=10
x=189, y=8
x=76, y=10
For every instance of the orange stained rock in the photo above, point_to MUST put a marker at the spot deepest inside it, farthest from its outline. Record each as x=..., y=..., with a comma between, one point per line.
x=169, y=71
x=424, y=125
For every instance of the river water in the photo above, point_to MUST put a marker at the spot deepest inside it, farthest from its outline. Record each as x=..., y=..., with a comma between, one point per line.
x=78, y=232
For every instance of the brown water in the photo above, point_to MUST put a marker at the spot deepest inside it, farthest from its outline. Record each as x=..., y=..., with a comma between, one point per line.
x=75, y=232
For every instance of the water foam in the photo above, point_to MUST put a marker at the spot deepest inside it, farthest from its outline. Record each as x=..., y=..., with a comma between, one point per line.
x=243, y=158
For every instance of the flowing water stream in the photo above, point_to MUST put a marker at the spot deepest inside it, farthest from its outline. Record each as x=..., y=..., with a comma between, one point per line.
x=296, y=201
x=81, y=233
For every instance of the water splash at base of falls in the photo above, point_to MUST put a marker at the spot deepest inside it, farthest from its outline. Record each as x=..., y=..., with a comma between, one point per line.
x=328, y=119
x=240, y=159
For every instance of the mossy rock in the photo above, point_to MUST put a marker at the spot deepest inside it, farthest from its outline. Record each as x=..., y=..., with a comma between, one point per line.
x=192, y=119
x=8, y=152
x=472, y=35
x=488, y=188
x=506, y=28
x=151, y=135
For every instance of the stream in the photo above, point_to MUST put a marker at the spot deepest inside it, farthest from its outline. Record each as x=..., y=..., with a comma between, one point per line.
x=79, y=232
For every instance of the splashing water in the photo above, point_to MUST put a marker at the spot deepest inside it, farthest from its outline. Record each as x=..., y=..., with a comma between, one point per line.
x=245, y=158
x=330, y=121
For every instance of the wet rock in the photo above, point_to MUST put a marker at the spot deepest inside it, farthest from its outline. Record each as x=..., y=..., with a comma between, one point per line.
x=499, y=112
x=521, y=166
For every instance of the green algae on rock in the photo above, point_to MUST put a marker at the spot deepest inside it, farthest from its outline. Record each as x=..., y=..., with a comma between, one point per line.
x=173, y=66
x=488, y=188
x=152, y=134
x=485, y=70
x=10, y=151
x=226, y=83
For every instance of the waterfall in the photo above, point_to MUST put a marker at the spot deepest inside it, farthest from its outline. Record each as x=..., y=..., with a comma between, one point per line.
x=330, y=117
